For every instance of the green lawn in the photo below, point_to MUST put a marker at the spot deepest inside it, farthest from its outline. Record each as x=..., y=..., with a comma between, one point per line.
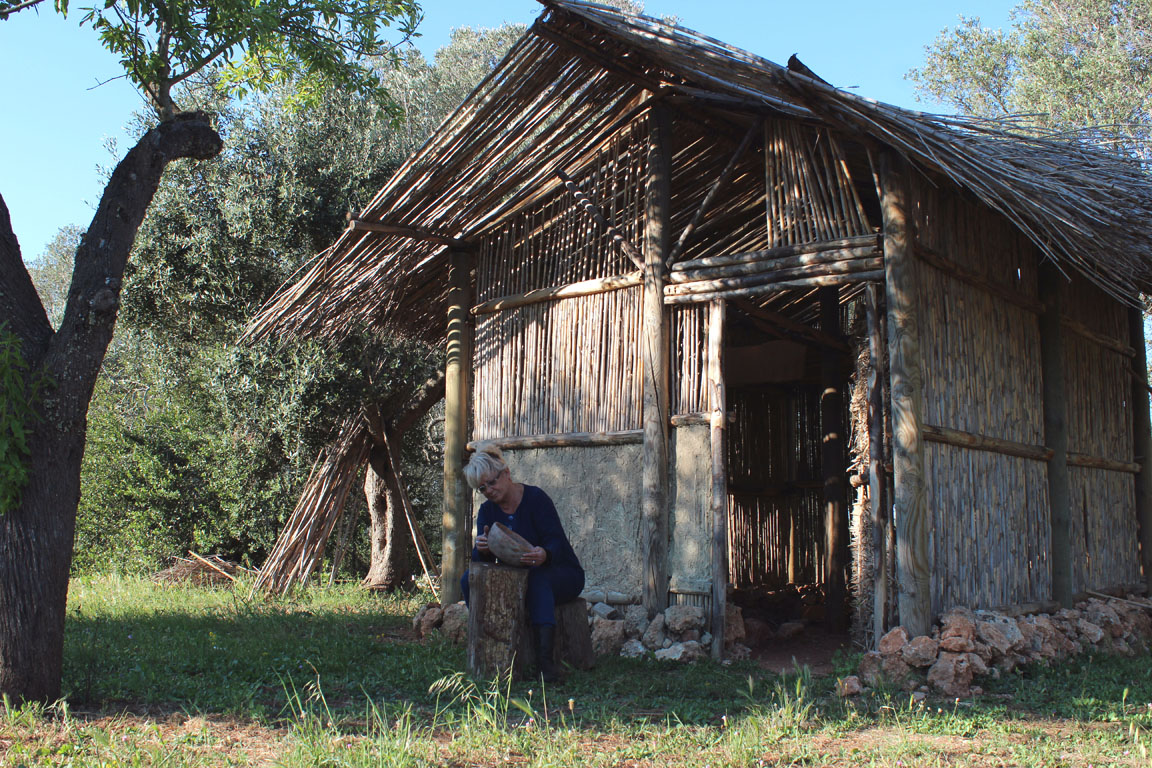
x=157, y=675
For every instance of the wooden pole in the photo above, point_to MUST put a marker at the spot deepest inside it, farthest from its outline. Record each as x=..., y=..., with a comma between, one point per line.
x=836, y=613
x=654, y=349
x=914, y=558
x=457, y=510
x=877, y=487
x=1141, y=440
x=718, y=424
x=1056, y=433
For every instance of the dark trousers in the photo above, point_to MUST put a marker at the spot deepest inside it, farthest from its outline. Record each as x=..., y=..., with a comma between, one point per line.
x=547, y=586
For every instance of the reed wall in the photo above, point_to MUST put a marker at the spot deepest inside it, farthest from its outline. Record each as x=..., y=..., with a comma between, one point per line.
x=980, y=357
x=1099, y=390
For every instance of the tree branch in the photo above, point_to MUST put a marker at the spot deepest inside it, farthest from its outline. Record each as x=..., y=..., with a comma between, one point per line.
x=6, y=12
x=20, y=305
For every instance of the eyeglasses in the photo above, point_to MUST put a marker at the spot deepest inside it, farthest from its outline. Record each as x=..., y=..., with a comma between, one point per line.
x=485, y=486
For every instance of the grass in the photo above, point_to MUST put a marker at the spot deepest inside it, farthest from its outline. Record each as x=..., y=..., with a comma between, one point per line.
x=182, y=676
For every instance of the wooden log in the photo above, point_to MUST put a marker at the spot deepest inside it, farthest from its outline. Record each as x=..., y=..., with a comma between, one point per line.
x=827, y=258
x=780, y=252
x=572, y=639
x=976, y=280
x=357, y=225
x=457, y=504
x=1101, y=462
x=564, y=440
x=962, y=439
x=717, y=437
x=1099, y=339
x=778, y=287
x=756, y=277
x=1141, y=440
x=877, y=487
x=497, y=620
x=1056, y=433
x=571, y=290
x=914, y=557
x=832, y=468
x=654, y=348
x=765, y=318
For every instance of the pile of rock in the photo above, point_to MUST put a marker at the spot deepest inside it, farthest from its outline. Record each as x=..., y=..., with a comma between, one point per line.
x=452, y=622
x=971, y=644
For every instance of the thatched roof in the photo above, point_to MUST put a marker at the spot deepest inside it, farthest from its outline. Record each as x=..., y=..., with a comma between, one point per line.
x=583, y=70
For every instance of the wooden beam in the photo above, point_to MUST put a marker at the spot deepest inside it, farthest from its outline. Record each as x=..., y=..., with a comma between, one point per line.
x=914, y=557
x=582, y=288
x=855, y=278
x=783, y=251
x=877, y=483
x=757, y=277
x=788, y=325
x=1088, y=461
x=1099, y=339
x=803, y=260
x=1056, y=432
x=561, y=440
x=962, y=439
x=706, y=203
x=1141, y=440
x=457, y=505
x=358, y=225
x=718, y=424
x=589, y=205
x=974, y=279
x=654, y=344
x=833, y=466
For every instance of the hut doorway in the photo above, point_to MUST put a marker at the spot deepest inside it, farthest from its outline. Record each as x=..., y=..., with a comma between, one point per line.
x=777, y=556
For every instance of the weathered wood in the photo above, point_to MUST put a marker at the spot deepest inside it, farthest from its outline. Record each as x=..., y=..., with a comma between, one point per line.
x=877, y=486
x=965, y=275
x=1102, y=462
x=914, y=558
x=784, y=251
x=572, y=640
x=832, y=467
x=962, y=439
x=753, y=277
x=1141, y=440
x=1056, y=432
x=654, y=349
x=582, y=288
x=566, y=440
x=1099, y=339
x=457, y=505
x=717, y=438
x=693, y=297
x=497, y=620
x=593, y=210
x=822, y=262
x=767, y=319
x=356, y=225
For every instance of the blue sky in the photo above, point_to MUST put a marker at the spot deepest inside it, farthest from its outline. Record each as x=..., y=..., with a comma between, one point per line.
x=55, y=120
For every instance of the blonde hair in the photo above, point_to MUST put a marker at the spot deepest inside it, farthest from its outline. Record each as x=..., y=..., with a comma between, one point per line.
x=486, y=462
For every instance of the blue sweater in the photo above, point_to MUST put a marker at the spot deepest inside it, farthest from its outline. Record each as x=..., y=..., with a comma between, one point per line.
x=537, y=521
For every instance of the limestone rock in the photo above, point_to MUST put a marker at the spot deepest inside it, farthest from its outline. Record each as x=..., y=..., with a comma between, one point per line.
x=689, y=651
x=994, y=638
x=427, y=619
x=871, y=667
x=737, y=651
x=681, y=618
x=607, y=636
x=893, y=640
x=605, y=611
x=733, y=624
x=921, y=651
x=690, y=635
x=849, y=686
x=1089, y=631
x=455, y=624
x=593, y=595
x=633, y=649
x=706, y=639
x=1007, y=637
x=896, y=671
x=635, y=621
x=951, y=674
x=789, y=630
x=618, y=598
x=958, y=631
x=653, y=637
x=979, y=668
x=757, y=632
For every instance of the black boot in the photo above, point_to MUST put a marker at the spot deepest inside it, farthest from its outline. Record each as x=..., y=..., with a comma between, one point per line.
x=544, y=635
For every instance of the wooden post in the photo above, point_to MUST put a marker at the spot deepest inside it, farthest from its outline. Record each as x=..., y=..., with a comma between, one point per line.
x=877, y=486
x=457, y=507
x=836, y=615
x=496, y=620
x=654, y=342
x=914, y=558
x=1141, y=440
x=718, y=424
x=1056, y=433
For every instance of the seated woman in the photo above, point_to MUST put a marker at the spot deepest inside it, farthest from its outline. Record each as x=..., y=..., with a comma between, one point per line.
x=556, y=575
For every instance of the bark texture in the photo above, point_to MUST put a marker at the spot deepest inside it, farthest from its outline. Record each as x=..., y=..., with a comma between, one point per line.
x=391, y=566
x=36, y=537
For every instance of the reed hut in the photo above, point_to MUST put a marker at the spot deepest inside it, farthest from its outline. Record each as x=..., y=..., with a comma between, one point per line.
x=750, y=330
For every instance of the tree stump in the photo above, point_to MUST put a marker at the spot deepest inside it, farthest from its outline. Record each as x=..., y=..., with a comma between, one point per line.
x=499, y=637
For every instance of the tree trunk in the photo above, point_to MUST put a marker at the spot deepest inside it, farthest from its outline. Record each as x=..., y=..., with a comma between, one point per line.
x=36, y=536
x=391, y=566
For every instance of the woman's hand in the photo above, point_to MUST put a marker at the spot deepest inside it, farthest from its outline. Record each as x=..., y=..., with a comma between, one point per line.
x=534, y=556
x=482, y=541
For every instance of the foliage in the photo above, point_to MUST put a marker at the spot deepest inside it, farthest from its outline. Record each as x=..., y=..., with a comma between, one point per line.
x=314, y=43
x=19, y=391
x=52, y=271
x=1065, y=64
